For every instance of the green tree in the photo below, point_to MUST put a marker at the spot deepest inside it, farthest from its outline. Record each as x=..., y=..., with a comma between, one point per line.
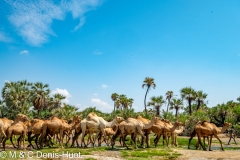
x=56, y=101
x=40, y=92
x=169, y=96
x=148, y=83
x=66, y=112
x=130, y=102
x=200, y=99
x=16, y=97
x=176, y=104
x=189, y=95
x=238, y=99
x=114, y=97
x=157, y=102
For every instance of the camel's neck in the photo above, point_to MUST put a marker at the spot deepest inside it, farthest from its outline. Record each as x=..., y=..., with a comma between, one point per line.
x=224, y=128
x=149, y=125
x=173, y=128
x=111, y=124
x=178, y=131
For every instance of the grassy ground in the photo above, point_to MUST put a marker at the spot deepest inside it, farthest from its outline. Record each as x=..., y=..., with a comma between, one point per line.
x=161, y=152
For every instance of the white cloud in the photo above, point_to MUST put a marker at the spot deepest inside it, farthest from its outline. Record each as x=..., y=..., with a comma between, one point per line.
x=95, y=94
x=33, y=19
x=101, y=105
x=104, y=86
x=63, y=92
x=4, y=38
x=7, y=81
x=24, y=52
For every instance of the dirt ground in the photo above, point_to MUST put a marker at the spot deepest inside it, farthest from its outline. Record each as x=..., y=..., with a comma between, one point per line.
x=216, y=154
x=187, y=154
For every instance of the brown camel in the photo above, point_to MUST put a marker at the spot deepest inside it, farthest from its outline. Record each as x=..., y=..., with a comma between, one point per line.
x=207, y=129
x=174, y=135
x=165, y=128
x=36, y=129
x=18, y=127
x=146, y=131
x=132, y=127
x=56, y=126
x=169, y=128
x=4, y=124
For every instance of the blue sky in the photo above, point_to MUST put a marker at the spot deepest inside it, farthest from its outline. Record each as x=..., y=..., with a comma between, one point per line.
x=89, y=49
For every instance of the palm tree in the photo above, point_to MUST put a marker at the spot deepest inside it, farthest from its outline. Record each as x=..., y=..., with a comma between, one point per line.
x=188, y=94
x=176, y=104
x=56, y=100
x=67, y=112
x=157, y=102
x=148, y=82
x=16, y=97
x=114, y=97
x=39, y=94
x=130, y=102
x=123, y=101
x=169, y=96
x=200, y=97
x=238, y=99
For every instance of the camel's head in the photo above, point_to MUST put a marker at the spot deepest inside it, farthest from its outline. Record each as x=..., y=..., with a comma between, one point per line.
x=138, y=117
x=22, y=117
x=155, y=119
x=227, y=124
x=178, y=123
x=77, y=119
x=119, y=119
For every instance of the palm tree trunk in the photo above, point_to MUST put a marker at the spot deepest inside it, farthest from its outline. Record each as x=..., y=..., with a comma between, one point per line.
x=168, y=104
x=145, y=100
x=198, y=104
x=190, y=106
x=176, y=114
x=158, y=111
x=114, y=106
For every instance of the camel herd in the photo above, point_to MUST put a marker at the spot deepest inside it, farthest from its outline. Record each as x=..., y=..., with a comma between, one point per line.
x=44, y=131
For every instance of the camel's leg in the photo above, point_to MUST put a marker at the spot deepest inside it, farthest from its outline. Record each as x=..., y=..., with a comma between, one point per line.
x=23, y=139
x=134, y=138
x=30, y=140
x=200, y=142
x=157, y=139
x=191, y=137
x=36, y=140
x=215, y=135
x=210, y=143
x=143, y=136
x=4, y=142
x=12, y=142
x=68, y=139
x=61, y=138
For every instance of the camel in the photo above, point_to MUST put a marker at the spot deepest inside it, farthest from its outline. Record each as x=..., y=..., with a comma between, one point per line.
x=96, y=124
x=165, y=128
x=174, y=135
x=56, y=126
x=68, y=127
x=158, y=129
x=18, y=127
x=4, y=124
x=132, y=127
x=146, y=131
x=168, y=129
x=206, y=129
x=36, y=129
